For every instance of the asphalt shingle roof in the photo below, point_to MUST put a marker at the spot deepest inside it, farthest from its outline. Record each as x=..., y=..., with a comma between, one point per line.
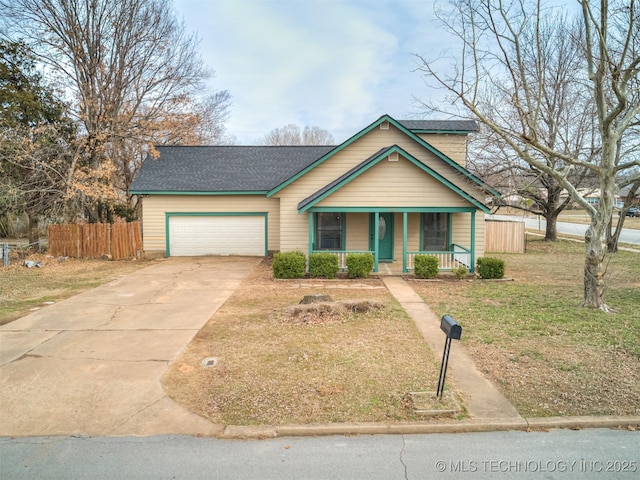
x=223, y=168
x=245, y=168
x=440, y=125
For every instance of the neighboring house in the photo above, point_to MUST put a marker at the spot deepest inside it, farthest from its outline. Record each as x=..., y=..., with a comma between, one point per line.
x=395, y=188
x=591, y=195
x=624, y=193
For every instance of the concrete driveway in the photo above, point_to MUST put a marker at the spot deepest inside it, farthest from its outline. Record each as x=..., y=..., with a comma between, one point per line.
x=92, y=364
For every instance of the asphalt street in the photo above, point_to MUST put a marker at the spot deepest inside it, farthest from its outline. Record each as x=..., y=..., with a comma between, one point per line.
x=558, y=454
x=627, y=235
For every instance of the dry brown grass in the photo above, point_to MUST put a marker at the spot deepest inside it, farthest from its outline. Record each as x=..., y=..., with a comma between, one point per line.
x=24, y=289
x=282, y=363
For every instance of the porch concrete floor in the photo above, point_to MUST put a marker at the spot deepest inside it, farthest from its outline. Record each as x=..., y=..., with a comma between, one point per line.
x=393, y=269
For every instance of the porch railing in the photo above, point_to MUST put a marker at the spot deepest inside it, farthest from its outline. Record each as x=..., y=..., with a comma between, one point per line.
x=447, y=259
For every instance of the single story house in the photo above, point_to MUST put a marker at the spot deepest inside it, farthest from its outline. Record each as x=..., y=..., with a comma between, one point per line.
x=624, y=193
x=395, y=189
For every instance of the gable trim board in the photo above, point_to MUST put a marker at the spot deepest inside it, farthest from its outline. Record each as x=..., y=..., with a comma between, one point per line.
x=399, y=126
x=216, y=233
x=377, y=157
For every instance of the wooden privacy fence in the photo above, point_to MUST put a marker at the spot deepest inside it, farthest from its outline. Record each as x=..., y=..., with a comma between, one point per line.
x=94, y=240
x=504, y=236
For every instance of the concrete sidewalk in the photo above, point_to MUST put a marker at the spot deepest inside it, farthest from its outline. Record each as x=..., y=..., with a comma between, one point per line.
x=483, y=400
x=92, y=364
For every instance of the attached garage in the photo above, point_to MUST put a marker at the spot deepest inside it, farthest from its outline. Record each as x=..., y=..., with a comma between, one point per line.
x=216, y=234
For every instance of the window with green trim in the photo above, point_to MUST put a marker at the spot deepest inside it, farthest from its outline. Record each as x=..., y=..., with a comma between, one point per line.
x=435, y=231
x=329, y=231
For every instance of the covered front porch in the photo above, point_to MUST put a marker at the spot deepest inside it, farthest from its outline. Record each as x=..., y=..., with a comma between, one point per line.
x=394, y=236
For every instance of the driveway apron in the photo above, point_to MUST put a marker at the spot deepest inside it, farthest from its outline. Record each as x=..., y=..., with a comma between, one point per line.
x=92, y=364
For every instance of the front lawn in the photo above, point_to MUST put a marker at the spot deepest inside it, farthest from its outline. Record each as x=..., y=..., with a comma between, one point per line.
x=529, y=336
x=278, y=363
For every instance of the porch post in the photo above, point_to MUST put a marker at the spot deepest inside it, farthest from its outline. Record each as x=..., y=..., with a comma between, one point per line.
x=376, y=240
x=311, y=230
x=473, y=241
x=404, y=241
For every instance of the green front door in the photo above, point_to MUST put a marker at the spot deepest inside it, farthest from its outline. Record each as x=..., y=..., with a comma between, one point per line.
x=385, y=236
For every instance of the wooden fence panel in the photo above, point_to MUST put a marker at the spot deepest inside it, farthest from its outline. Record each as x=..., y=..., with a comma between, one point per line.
x=67, y=240
x=94, y=240
x=504, y=237
x=126, y=240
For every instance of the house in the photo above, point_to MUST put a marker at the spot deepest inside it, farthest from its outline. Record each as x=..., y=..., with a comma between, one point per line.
x=395, y=188
x=624, y=193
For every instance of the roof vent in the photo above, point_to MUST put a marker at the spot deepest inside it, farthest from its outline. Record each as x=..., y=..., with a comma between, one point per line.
x=384, y=125
x=393, y=157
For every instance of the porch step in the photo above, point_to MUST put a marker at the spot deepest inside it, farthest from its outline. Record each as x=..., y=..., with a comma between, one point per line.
x=393, y=269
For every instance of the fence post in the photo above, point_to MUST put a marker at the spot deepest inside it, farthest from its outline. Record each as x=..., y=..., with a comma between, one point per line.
x=5, y=254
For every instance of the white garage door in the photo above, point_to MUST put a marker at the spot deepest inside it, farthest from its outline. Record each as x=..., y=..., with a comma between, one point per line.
x=216, y=235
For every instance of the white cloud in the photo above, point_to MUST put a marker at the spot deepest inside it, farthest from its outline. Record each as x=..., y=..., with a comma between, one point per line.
x=335, y=64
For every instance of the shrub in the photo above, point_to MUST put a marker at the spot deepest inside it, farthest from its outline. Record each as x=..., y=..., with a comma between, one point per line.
x=359, y=264
x=461, y=272
x=489, y=267
x=289, y=264
x=425, y=266
x=323, y=264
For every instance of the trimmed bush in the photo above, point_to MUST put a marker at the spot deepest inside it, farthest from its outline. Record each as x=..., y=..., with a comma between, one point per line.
x=461, y=272
x=359, y=264
x=289, y=264
x=323, y=264
x=489, y=267
x=425, y=266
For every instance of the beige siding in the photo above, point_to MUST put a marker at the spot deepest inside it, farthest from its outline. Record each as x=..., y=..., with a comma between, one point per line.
x=357, y=231
x=154, y=208
x=480, y=229
x=461, y=233
x=461, y=226
x=392, y=184
x=413, y=232
x=453, y=146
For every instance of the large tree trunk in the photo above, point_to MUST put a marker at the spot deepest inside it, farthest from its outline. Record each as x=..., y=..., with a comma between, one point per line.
x=596, y=249
x=597, y=235
x=33, y=232
x=551, y=231
x=552, y=208
x=612, y=238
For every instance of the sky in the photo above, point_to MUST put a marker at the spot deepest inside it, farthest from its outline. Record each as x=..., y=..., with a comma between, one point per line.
x=335, y=64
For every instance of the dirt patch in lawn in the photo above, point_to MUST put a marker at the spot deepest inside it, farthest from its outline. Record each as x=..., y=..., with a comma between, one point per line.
x=279, y=362
x=51, y=279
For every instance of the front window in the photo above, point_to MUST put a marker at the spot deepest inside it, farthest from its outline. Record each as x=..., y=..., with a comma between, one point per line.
x=435, y=231
x=329, y=231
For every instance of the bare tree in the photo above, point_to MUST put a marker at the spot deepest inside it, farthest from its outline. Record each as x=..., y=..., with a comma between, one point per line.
x=496, y=39
x=36, y=140
x=134, y=73
x=565, y=115
x=292, y=135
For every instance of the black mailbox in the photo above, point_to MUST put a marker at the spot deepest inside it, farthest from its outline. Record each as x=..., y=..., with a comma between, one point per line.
x=450, y=327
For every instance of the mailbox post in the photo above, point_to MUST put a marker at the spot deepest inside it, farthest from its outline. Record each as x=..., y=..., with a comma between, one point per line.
x=453, y=331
